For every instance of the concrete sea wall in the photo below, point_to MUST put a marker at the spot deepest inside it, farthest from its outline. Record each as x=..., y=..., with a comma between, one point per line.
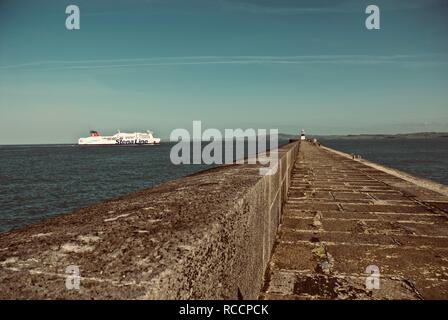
x=206, y=236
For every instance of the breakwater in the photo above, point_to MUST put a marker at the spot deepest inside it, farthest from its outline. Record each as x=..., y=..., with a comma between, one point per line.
x=352, y=229
x=310, y=231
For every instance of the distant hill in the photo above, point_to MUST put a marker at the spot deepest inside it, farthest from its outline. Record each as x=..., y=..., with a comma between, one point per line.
x=418, y=135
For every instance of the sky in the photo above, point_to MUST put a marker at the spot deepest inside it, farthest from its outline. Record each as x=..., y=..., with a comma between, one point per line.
x=160, y=64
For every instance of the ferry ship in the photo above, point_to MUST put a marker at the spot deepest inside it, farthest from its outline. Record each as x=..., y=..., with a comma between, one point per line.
x=120, y=139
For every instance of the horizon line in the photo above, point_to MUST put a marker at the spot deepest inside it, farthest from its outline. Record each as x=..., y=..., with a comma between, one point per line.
x=166, y=139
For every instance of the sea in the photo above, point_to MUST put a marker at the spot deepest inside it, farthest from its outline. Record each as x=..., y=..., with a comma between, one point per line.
x=422, y=157
x=41, y=181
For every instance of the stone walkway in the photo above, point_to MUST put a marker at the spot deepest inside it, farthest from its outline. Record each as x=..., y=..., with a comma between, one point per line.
x=341, y=217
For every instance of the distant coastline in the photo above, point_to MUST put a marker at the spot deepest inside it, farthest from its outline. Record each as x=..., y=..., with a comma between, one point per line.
x=417, y=135
x=287, y=136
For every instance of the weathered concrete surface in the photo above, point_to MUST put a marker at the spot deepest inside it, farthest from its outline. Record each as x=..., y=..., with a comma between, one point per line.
x=342, y=216
x=207, y=236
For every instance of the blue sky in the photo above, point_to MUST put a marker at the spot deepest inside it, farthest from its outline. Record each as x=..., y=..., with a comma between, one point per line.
x=159, y=65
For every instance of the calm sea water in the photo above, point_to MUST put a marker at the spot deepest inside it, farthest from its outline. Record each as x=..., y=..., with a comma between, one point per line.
x=41, y=181
x=426, y=158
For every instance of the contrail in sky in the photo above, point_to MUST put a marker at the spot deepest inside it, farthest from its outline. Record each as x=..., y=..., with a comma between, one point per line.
x=227, y=60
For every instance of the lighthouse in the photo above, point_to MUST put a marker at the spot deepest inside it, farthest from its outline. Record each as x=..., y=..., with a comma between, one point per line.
x=302, y=134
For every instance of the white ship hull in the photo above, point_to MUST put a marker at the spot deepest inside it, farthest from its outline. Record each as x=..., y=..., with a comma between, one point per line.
x=120, y=139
